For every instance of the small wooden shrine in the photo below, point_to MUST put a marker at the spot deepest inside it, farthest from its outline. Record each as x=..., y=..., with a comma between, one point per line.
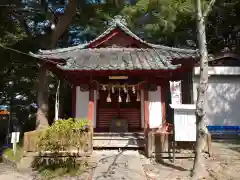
x=119, y=81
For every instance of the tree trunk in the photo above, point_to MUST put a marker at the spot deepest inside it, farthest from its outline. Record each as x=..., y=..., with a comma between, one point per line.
x=42, y=111
x=198, y=167
x=50, y=42
x=63, y=22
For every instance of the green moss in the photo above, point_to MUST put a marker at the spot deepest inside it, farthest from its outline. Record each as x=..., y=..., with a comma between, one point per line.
x=9, y=153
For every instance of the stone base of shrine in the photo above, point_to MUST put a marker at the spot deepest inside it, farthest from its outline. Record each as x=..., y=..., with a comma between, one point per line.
x=118, y=140
x=158, y=143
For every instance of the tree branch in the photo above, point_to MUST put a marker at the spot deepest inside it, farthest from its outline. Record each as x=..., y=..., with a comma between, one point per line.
x=64, y=22
x=209, y=8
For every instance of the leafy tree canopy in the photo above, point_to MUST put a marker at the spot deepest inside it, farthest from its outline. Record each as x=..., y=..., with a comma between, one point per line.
x=24, y=23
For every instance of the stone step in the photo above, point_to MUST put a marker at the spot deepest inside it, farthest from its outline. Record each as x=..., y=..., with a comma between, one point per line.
x=118, y=140
x=135, y=134
x=116, y=137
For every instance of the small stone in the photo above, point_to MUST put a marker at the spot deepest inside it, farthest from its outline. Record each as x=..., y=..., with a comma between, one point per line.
x=151, y=174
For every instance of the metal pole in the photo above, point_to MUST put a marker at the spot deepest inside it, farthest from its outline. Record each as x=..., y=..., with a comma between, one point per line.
x=9, y=120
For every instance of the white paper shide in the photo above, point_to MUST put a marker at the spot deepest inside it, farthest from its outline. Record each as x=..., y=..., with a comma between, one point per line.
x=175, y=89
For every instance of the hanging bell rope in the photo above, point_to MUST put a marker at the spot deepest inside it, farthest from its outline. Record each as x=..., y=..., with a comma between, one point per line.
x=138, y=96
x=125, y=88
x=133, y=89
x=119, y=96
x=109, y=96
x=113, y=90
x=104, y=86
x=128, y=97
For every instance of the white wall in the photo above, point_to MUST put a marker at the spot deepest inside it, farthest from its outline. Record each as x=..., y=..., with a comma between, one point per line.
x=155, y=108
x=220, y=70
x=82, y=99
x=223, y=100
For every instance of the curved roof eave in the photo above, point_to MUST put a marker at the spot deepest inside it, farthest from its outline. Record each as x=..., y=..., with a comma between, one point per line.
x=116, y=23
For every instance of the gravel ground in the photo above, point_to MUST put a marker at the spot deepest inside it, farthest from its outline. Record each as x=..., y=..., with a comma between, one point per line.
x=224, y=165
x=8, y=173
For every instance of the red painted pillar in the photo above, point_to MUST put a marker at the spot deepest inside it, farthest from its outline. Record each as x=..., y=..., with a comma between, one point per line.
x=163, y=102
x=147, y=132
x=91, y=106
x=74, y=99
x=146, y=109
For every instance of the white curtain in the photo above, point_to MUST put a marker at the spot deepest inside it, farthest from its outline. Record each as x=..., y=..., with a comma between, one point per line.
x=57, y=102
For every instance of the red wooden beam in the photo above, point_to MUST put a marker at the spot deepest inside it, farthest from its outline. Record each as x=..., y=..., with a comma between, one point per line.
x=74, y=98
x=105, y=38
x=91, y=106
x=163, y=103
x=146, y=109
x=116, y=33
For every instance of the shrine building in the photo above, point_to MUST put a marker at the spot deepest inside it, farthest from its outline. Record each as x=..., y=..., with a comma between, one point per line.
x=121, y=82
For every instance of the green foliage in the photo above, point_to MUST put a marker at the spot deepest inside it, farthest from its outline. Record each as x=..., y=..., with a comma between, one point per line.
x=64, y=168
x=169, y=22
x=10, y=30
x=64, y=134
x=19, y=153
x=223, y=26
x=158, y=19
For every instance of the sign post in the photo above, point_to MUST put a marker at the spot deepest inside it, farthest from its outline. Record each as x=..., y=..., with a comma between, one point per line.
x=14, y=141
x=5, y=117
x=184, y=123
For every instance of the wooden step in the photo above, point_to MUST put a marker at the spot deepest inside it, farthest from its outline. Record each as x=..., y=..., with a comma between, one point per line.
x=118, y=140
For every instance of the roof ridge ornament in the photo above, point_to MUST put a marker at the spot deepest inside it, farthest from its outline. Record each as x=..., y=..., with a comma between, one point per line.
x=118, y=19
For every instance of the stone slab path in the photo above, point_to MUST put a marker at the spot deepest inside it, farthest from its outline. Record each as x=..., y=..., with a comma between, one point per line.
x=224, y=165
x=8, y=173
x=125, y=165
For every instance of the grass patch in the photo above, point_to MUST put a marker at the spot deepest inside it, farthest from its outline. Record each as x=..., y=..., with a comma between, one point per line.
x=51, y=171
x=9, y=153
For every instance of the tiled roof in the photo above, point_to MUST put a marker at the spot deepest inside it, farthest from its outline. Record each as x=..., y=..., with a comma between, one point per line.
x=120, y=59
x=81, y=57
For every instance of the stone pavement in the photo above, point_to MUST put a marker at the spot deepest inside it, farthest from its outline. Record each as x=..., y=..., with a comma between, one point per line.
x=8, y=173
x=125, y=165
x=224, y=165
x=129, y=165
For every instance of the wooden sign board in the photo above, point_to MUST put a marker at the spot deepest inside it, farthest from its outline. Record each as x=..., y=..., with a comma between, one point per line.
x=184, y=122
x=14, y=141
x=15, y=137
x=118, y=77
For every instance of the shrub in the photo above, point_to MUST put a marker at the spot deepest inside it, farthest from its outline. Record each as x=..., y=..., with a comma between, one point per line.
x=63, y=135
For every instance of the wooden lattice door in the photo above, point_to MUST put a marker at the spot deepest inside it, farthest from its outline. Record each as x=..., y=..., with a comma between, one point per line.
x=106, y=111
